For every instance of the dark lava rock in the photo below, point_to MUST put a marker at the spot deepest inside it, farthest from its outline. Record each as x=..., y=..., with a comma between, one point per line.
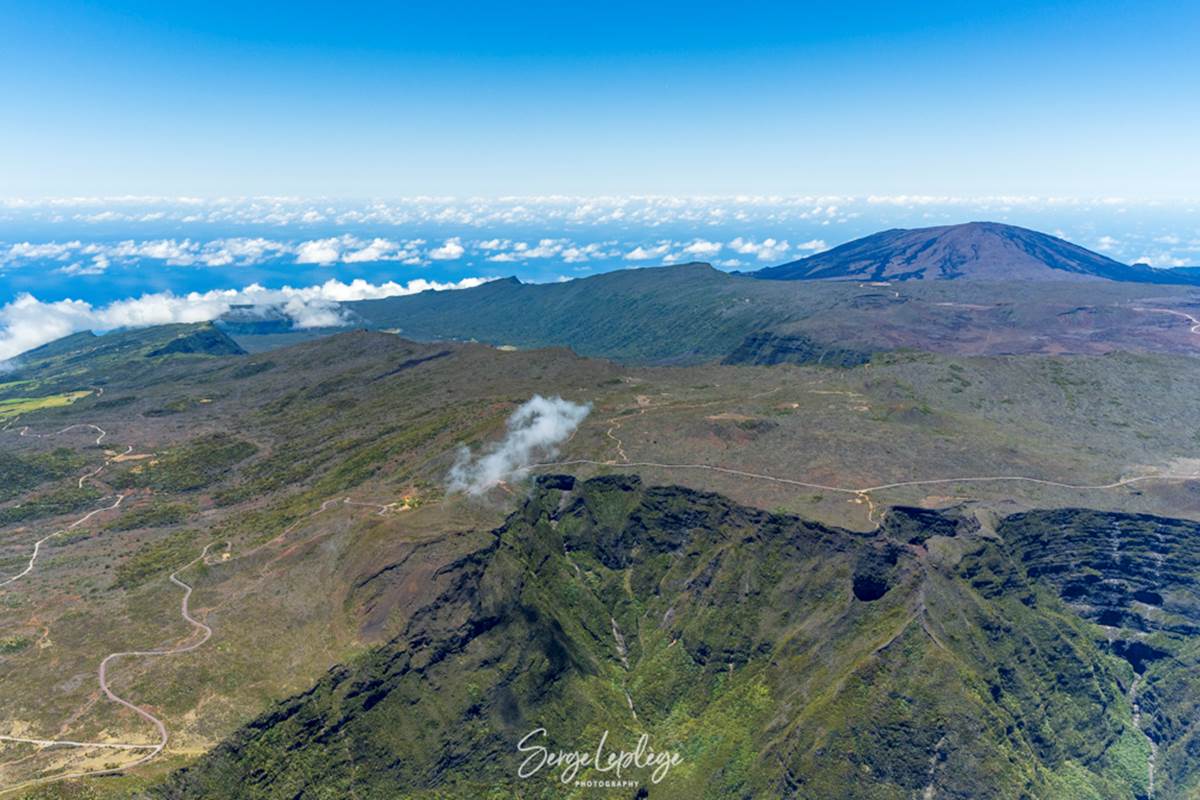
x=563, y=483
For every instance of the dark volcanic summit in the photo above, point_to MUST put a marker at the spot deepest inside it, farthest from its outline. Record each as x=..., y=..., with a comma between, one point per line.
x=987, y=251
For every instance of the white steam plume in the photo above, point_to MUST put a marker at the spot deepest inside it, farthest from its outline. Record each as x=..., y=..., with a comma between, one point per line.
x=535, y=430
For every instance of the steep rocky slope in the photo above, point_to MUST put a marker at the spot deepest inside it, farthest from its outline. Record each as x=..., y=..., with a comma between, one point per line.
x=1137, y=577
x=778, y=657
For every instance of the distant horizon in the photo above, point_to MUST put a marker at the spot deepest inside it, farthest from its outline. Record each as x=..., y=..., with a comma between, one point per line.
x=81, y=263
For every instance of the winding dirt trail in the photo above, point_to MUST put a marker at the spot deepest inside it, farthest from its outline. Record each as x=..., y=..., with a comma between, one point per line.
x=192, y=642
x=865, y=490
x=24, y=430
x=1195, y=322
x=37, y=546
x=103, y=670
x=153, y=749
x=862, y=493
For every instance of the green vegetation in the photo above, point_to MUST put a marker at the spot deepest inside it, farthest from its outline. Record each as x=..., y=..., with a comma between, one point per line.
x=16, y=406
x=679, y=314
x=693, y=313
x=156, y=558
x=65, y=500
x=154, y=515
x=20, y=473
x=194, y=465
x=766, y=349
x=709, y=619
x=62, y=369
x=780, y=656
x=176, y=405
x=13, y=644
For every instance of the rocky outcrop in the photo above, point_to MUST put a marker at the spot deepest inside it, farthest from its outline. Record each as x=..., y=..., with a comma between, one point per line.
x=205, y=340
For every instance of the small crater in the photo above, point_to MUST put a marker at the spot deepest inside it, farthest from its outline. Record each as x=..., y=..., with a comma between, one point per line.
x=869, y=587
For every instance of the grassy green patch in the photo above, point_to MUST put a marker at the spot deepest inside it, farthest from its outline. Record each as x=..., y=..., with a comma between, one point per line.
x=20, y=473
x=155, y=515
x=13, y=644
x=195, y=465
x=157, y=558
x=53, y=503
x=16, y=406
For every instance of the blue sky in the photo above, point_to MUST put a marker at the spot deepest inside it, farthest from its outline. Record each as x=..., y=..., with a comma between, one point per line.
x=158, y=158
x=361, y=100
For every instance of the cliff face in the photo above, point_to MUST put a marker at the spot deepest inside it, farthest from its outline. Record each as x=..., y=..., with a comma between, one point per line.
x=777, y=656
x=1137, y=577
x=766, y=349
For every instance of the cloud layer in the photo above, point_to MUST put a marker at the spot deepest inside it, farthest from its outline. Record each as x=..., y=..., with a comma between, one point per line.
x=535, y=430
x=553, y=210
x=94, y=258
x=27, y=322
x=733, y=231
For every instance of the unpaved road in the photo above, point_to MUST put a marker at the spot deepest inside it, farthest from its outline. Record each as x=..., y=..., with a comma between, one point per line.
x=1195, y=322
x=878, y=488
x=37, y=546
x=191, y=643
x=153, y=749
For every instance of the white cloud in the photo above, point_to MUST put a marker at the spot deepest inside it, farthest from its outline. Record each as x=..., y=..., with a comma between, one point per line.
x=27, y=322
x=702, y=249
x=546, y=248
x=168, y=250
x=766, y=250
x=48, y=250
x=98, y=267
x=578, y=254
x=1161, y=259
x=552, y=212
x=451, y=249
x=1107, y=243
x=535, y=430
x=241, y=250
x=640, y=253
x=319, y=251
x=377, y=250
